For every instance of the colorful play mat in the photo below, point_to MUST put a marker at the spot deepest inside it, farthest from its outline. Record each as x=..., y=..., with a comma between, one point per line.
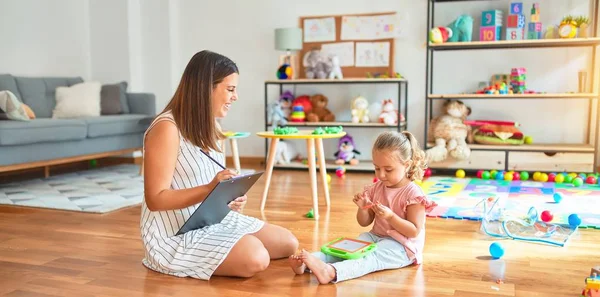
x=458, y=198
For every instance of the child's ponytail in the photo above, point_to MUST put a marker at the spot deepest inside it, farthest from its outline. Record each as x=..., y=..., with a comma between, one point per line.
x=417, y=156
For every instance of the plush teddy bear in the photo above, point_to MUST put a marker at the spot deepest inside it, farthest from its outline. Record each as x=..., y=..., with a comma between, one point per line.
x=336, y=69
x=449, y=132
x=360, y=110
x=319, y=111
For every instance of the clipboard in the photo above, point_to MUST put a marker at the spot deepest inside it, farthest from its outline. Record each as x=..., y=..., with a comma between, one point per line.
x=215, y=207
x=348, y=248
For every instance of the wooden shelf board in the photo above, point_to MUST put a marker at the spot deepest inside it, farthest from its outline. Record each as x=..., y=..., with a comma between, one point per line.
x=364, y=165
x=550, y=147
x=515, y=96
x=343, y=124
x=536, y=43
x=335, y=81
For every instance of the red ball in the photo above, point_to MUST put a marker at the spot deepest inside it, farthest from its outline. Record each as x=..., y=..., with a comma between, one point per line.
x=590, y=179
x=546, y=216
x=551, y=177
x=479, y=173
x=516, y=176
x=427, y=172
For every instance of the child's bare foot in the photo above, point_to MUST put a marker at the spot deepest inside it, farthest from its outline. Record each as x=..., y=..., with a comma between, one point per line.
x=324, y=272
x=296, y=263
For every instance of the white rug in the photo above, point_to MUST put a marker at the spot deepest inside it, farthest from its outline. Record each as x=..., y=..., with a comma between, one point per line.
x=99, y=190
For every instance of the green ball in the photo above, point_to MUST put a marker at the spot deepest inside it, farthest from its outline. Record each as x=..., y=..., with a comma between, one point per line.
x=94, y=163
x=568, y=179
x=524, y=175
x=485, y=175
x=578, y=182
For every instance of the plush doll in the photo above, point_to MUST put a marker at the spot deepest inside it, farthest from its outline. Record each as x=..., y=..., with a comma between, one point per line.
x=440, y=34
x=316, y=65
x=347, y=152
x=275, y=115
x=319, y=112
x=285, y=153
x=389, y=113
x=336, y=69
x=462, y=29
x=449, y=132
x=360, y=110
x=286, y=100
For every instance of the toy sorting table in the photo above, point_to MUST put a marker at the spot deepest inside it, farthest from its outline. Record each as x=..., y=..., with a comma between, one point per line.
x=311, y=139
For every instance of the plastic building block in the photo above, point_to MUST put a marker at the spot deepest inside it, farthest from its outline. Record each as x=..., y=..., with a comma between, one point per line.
x=516, y=8
x=515, y=33
x=490, y=33
x=516, y=21
x=491, y=18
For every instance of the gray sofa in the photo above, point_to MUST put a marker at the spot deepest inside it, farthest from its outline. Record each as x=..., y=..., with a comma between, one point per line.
x=45, y=141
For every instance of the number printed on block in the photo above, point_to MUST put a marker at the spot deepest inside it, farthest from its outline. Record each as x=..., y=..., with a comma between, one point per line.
x=487, y=33
x=491, y=18
x=516, y=8
x=516, y=21
x=515, y=33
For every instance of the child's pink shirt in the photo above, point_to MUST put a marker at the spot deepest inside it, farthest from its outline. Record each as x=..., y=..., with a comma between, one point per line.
x=397, y=199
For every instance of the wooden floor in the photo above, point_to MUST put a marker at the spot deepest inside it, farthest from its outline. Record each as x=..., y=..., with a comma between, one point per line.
x=55, y=253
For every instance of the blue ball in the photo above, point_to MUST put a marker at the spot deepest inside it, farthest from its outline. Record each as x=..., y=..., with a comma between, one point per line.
x=500, y=175
x=496, y=250
x=557, y=197
x=574, y=220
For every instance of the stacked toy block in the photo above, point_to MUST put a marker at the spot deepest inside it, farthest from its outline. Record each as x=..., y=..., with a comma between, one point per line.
x=535, y=26
x=515, y=27
x=517, y=80
x=491, y=25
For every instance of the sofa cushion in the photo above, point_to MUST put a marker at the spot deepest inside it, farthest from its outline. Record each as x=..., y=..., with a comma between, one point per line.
x=41, y=130
x=39, y=92
x=117, y=124
x=113, y=99
x=8, y=83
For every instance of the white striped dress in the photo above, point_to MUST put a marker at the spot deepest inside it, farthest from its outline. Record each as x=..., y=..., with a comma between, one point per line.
x=196, y=253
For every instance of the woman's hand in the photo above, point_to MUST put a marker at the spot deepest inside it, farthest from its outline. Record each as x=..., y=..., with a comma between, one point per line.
x=362, y=202
x=382, y=211
x=223, y=175
x=238, y=204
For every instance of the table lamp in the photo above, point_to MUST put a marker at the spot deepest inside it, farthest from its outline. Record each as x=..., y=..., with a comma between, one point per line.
x=288, y=40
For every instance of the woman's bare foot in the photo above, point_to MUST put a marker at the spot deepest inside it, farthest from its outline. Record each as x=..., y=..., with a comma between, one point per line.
x=296, y=263
x=324, y=272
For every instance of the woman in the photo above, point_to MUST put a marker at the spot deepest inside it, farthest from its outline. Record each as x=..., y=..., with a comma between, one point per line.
x=178, y=176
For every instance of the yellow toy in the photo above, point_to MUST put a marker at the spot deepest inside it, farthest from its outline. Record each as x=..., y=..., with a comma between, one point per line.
x=360, y=110
x=567, y=28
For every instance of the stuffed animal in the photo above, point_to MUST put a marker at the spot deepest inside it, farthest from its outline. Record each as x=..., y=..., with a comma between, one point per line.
x=462, y=29
x=336, y=69
x=303, y=100
x=319, y=112
x=286, y=100
x=285, y=153
x=347, y=152
x=275, y=115
x=360, y=110
x=316, y=65
x=449, y=132
x=389, y=113
x=440, y=34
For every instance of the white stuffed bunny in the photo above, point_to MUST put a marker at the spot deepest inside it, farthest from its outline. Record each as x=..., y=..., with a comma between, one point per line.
x=336, y=70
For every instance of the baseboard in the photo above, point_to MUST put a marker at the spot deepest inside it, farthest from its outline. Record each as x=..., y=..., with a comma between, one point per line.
x=247, y=161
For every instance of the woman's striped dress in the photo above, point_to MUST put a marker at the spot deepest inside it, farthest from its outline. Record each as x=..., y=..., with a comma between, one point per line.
x=197, y=253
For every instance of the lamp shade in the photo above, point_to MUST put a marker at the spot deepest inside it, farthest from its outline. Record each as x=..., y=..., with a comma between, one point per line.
x=288, y=39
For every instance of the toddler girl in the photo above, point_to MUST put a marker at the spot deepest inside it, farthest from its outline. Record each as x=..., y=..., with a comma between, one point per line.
x=395, y=204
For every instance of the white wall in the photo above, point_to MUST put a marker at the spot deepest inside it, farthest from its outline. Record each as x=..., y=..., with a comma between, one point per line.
x=44, y=38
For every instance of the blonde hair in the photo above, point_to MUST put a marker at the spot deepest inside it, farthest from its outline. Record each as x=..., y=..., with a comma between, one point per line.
x=407, y=147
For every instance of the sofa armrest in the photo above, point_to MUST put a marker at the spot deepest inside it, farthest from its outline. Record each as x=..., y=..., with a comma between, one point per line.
x=142, y=103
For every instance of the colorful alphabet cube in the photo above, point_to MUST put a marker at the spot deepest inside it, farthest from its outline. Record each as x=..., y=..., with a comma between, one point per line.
x=535, y=27
x=491, y=18
x=516, y=21
x=516, y=8
x=515, y=33
x=491, y=33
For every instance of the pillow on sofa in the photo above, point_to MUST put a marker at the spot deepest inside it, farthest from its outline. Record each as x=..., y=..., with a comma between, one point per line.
x=79, y=100
x=113, y=99
x=11, y=108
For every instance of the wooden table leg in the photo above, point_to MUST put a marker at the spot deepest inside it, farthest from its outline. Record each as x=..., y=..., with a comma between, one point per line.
x=269, y=170
x=224, y=149
x=323, y=168
x=310, y=148
x=235, y=155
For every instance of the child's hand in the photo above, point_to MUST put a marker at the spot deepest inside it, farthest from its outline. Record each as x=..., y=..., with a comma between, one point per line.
x=361, y=201
x=382, y=211
x=238, y=204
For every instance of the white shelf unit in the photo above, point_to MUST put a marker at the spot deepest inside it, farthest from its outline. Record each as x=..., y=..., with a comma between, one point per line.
x=364, y=165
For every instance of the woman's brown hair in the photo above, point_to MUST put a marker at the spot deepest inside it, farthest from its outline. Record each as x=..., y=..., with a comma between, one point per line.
x=191, y=104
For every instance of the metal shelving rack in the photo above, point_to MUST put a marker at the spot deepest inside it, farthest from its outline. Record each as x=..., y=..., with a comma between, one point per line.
x=401, y=83
x=592, y=144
